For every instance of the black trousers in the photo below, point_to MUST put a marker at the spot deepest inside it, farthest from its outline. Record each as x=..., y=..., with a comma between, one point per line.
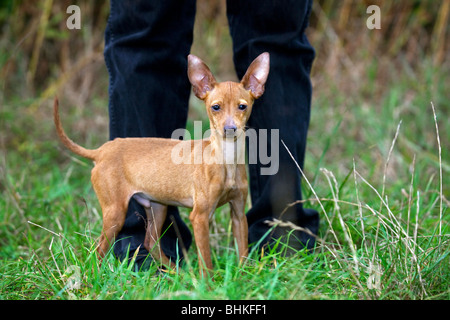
x=146, y=48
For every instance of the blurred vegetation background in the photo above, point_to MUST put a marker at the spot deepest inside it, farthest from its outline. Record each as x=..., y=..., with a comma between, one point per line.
x=359, y=73
x=38, y=51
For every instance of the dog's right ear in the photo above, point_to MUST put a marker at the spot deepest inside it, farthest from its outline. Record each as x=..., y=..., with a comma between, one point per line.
x=256, y=76
x=200, y=77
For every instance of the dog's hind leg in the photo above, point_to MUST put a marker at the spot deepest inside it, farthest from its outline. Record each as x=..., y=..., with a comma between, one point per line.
x=113, y=220
x=156, y=215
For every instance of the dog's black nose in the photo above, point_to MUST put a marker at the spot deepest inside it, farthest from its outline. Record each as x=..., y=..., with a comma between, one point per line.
x=229, y=129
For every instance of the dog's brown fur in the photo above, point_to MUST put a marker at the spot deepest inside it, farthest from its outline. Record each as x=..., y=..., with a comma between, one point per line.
x=142, y=167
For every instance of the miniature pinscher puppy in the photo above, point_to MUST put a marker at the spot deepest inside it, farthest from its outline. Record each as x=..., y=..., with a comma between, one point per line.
x=145, y=169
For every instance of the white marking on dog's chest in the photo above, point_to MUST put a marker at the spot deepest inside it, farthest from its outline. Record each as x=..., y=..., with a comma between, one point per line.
x=230, y=178
x=229, y=152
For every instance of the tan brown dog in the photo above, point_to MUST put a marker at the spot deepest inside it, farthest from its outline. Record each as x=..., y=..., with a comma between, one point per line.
x=150, y=170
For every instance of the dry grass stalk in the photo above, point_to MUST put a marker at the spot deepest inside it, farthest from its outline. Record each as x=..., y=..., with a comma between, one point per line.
x=39, y=40
x=441, y=195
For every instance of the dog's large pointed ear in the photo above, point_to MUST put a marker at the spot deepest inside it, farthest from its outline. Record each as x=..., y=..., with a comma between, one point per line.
x=200, y=77
x=256, y=75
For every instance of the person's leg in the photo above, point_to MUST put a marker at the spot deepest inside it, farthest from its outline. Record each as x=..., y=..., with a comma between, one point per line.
x=146, y=48
x=278, y=28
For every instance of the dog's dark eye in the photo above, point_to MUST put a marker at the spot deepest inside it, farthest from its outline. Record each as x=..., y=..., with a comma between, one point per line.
x=215, y=107
x=242, y=107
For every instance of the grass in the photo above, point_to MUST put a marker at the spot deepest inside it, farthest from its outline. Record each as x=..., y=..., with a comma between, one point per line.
x=380, y=192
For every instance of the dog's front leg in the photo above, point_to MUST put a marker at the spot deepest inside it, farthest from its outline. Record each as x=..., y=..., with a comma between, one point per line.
x=199, y=218
x=240, y=226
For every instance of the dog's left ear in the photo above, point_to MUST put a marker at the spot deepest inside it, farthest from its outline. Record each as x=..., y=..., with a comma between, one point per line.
x=256, y=75
x=200, y=77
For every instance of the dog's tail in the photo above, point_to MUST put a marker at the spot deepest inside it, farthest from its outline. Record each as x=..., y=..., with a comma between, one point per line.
x=72, y=146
